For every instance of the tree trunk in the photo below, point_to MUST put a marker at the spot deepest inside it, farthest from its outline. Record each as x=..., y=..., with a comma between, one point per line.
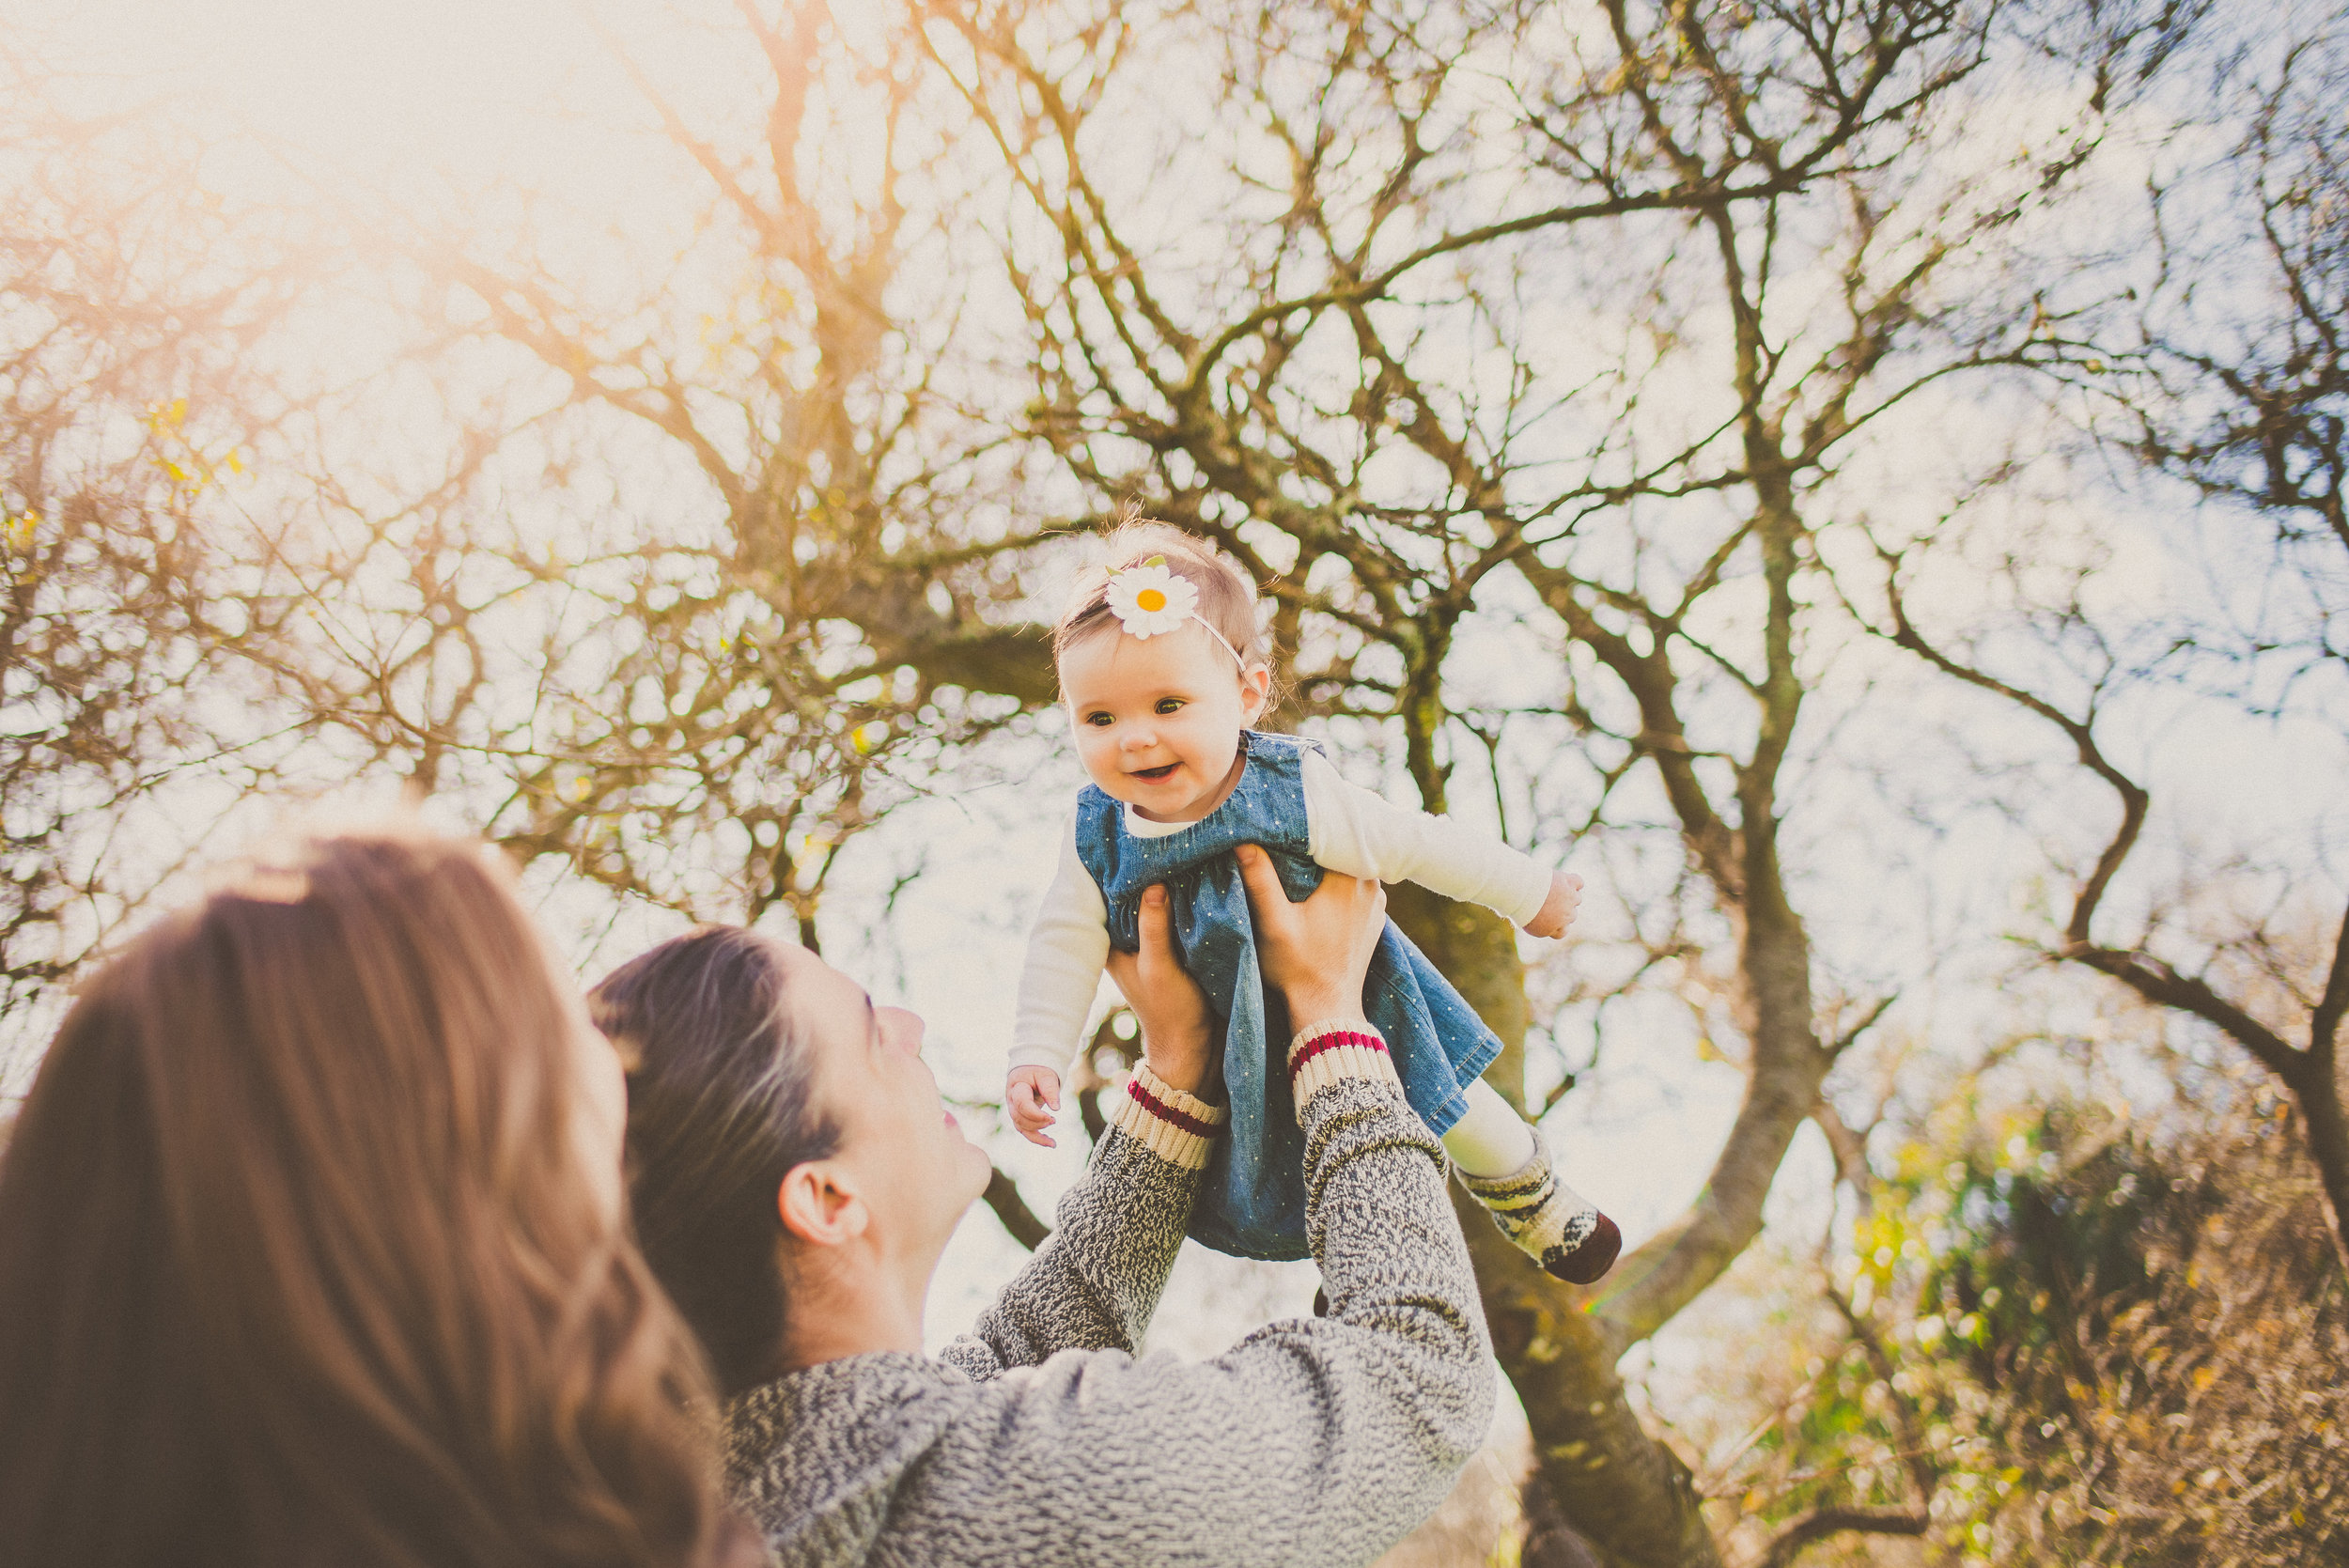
x=1478, y=953
x=1551, y=1541
x=1628, y=1498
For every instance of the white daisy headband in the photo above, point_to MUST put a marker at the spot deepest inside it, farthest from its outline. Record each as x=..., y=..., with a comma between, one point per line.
x=1150, y=598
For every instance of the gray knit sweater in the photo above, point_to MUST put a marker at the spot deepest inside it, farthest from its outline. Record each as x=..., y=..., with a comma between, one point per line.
x=1039, y=1441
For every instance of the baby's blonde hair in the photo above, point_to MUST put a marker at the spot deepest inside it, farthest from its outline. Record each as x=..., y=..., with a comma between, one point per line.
x=1227, y=595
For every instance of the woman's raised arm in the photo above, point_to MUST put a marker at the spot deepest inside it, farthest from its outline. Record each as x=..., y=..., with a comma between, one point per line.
x=1312, y=1441
x=1096, y=1278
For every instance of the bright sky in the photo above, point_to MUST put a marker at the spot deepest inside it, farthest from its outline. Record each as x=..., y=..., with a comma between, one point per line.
x=430, y=82
x=411, y=98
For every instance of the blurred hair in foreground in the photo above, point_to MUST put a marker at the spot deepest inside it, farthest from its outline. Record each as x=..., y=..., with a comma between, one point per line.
x=299, y=1262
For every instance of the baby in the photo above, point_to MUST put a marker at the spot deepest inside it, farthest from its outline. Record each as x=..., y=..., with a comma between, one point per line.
x=1163, y=670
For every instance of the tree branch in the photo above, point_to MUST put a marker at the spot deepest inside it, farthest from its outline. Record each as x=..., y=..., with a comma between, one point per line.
x=1816, y=1527
x=1002, y=1196
x=2158, y=983
x=2325, y=1027
x=2081, y=732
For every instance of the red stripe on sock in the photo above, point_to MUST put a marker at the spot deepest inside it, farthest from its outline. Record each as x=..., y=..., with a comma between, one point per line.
x=1166, y=1113
x=1321, y=1042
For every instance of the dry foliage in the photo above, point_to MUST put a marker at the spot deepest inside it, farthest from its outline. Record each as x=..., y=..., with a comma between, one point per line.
x=2208, y=1423
x=2063, y=1337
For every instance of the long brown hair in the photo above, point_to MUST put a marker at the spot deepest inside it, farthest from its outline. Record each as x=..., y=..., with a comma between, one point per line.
x=299, y=1264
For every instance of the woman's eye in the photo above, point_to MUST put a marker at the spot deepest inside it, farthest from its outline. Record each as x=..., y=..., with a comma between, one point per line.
x=1168, y=705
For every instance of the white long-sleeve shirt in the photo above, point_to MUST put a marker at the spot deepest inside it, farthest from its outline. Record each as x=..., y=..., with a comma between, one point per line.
x=1350, y=830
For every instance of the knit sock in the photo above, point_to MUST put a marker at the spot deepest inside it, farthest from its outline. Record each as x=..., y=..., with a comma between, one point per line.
x=1547, y=1221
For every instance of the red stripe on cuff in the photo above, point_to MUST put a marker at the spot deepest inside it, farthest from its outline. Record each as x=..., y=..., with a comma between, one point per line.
x=1166, y=1113
x=1321, y=1042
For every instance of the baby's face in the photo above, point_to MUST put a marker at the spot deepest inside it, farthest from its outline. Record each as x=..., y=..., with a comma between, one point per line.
x=1157, y=719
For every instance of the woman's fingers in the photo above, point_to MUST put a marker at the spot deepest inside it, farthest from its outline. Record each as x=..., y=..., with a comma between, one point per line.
x=1266, y=898
x=1166, y=1002
x=1316, y=952
x=1157, y=937
x=1280, y=926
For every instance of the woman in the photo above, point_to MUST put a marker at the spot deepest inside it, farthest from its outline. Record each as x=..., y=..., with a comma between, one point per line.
x=796, y=1179
x=312, y=1249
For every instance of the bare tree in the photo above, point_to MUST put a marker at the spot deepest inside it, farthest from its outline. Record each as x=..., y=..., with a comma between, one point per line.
x=750, y=615
x=2245, y=378
x=124, y=402
x=1468, y=328
x=1404, y=306
x=2227, y=373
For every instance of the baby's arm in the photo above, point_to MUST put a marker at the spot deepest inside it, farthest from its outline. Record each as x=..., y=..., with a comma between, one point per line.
x=1067, y=947
x=1361, y=833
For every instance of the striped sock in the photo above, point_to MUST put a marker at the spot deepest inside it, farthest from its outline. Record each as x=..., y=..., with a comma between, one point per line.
x=1547, y=1221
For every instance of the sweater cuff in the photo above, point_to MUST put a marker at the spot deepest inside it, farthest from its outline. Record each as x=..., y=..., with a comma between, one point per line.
x=1534, y=894
x=1321, y=1054
x=1174, y=1126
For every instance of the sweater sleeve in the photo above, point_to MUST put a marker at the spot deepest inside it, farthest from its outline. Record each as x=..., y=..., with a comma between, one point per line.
x=1067, y=947
x=1096, y=1278
x=1360, y=832
x=1313, y=1443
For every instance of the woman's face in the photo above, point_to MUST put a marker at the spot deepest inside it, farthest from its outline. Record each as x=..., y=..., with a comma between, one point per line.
x=913, y=1168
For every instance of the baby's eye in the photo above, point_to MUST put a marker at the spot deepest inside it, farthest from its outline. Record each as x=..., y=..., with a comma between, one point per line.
x=1168, y=705
x=1098, y=720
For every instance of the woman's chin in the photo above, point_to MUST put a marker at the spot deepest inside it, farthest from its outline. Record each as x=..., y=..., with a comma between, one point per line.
x=981, y=1167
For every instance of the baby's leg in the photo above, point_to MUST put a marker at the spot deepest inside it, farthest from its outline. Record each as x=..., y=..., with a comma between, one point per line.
x=1489, y=1138
x=1506, y=1165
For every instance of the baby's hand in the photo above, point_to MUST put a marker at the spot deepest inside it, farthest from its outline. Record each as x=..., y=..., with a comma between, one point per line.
x=1565, y=897
x=1033, y=1094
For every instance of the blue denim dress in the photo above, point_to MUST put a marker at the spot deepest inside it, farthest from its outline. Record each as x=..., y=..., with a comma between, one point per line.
x=1253, y=1203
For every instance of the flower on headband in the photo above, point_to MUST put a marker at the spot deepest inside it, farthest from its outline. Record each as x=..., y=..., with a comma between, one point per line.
x=1149, y=598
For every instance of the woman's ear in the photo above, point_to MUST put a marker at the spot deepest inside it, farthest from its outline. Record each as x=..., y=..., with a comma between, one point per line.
x=1255, y=690
x=819, y=1205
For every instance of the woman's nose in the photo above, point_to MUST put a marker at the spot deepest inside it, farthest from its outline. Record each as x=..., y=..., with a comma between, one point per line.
x=905, y=1030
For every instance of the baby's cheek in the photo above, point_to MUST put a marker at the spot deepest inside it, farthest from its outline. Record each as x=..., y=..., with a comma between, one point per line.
x=1099, y=758
x=1093, y=750
x=1098, y=754
x=1219, y=750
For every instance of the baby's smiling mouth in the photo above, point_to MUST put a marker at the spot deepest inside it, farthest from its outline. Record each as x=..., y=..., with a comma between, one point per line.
x=1155, y=775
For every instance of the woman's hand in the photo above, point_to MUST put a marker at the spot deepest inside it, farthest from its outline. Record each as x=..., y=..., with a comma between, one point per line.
x=1167, y=1004
x=1316, y=952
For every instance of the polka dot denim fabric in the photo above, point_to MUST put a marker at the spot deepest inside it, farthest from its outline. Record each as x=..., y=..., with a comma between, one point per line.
x=1253, y=1203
